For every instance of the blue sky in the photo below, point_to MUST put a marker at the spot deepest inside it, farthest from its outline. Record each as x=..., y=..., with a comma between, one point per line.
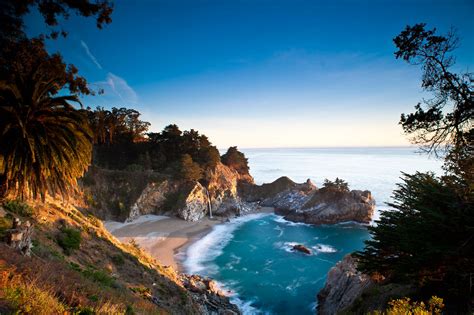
x=262, y=73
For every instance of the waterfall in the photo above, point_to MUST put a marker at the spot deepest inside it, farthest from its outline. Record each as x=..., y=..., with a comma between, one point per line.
x=209, y=203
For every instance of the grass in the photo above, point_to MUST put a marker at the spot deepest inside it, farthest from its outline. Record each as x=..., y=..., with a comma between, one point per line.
x=27, y=297
x=19, y=207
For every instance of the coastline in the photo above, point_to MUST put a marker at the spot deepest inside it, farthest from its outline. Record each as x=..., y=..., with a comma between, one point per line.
x=167, y=238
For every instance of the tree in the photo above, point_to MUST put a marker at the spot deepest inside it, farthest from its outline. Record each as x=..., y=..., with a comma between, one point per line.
x=427, y=240
x=45, y=142
x=338, y=184
x=12, y=12
x=236, y=160
x=188, y=170
x=433, y=124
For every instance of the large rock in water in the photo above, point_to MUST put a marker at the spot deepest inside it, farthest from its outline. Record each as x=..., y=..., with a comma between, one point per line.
x=306, y=203
x=344, y=284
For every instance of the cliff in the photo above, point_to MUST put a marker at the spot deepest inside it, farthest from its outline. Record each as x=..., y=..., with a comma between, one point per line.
x=124, y=195
x=306, y=203
x=344, y=285
x=348, y=291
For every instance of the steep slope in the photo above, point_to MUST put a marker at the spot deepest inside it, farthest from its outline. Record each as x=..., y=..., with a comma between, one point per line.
x=79, y=265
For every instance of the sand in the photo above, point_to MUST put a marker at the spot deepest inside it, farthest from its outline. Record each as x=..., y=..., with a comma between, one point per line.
x=163, y=237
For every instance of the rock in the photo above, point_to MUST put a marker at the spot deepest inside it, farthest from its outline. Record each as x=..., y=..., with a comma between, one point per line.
x=208, y=295
x=301, y=248
x=344, y=284
x=305, y=203
x=151, y=199
x=195, y=205
x=19, y=236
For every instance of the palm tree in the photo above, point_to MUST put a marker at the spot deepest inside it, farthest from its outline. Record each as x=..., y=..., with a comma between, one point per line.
x=45, y=143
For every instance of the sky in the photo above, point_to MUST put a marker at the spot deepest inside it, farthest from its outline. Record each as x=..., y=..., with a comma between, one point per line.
x=262, y=73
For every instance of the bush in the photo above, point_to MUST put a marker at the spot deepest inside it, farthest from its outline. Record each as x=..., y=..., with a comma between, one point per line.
x=19, y=207
x=406, y=306
x=5, y=224
x=69, y=239
x=118, y=260
x=99, y=276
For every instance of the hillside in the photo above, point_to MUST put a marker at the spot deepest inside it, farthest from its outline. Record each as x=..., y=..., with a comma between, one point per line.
x=89, y=271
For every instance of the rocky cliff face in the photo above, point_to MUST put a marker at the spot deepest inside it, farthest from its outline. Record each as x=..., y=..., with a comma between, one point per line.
x=306, y=203
x=344, y=284
x=122, y=195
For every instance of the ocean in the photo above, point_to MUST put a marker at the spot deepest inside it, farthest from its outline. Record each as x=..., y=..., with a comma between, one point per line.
x=251, y=256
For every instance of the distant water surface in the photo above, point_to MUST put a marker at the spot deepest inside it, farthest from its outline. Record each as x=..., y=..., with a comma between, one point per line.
x=252, y=257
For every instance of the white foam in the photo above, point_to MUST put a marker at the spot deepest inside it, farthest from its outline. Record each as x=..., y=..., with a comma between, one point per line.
x=200, y=254
x=281, y=219
x=322, y=248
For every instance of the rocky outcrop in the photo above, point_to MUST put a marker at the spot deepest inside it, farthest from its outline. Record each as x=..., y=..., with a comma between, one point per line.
x=207, y=294
x=328, y=206
x=344, y=284
x=302, y=249
x=151, y=199
x=306, y=203
x=195, y=206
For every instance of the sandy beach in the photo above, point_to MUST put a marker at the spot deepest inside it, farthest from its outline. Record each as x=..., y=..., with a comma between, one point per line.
x=163, y=237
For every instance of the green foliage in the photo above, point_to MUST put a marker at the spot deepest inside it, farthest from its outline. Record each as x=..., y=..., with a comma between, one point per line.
x=188, y=170
x=405, y=306
x=427, y=239
x=118, y=260
x=99, y=276
x=69, y=239
x=19, y=207
x=236, y=160
x=338, y=184
x=5, y=224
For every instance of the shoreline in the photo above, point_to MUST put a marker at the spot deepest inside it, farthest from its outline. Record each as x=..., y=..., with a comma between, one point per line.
x=167, y=238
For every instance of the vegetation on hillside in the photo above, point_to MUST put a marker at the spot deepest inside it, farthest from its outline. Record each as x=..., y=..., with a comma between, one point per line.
x=427, y=241
x=236, y=160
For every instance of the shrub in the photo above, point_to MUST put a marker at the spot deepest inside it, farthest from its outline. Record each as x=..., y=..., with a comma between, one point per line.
x=5, y=224
x=69, y=239
x=406, y=306
x=19, y=207
x=118, y=260
x=99, y=276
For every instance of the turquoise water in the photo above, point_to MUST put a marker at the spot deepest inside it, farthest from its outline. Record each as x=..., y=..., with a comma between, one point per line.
x=251, y=256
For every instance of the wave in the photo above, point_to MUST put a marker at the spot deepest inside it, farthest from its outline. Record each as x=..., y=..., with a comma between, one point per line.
x=281, y=219
x=322, y=248
x=201, y=253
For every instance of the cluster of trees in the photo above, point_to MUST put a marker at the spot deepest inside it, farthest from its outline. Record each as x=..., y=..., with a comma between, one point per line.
x=428, y=240
x=338, y=184
x=184, y=154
